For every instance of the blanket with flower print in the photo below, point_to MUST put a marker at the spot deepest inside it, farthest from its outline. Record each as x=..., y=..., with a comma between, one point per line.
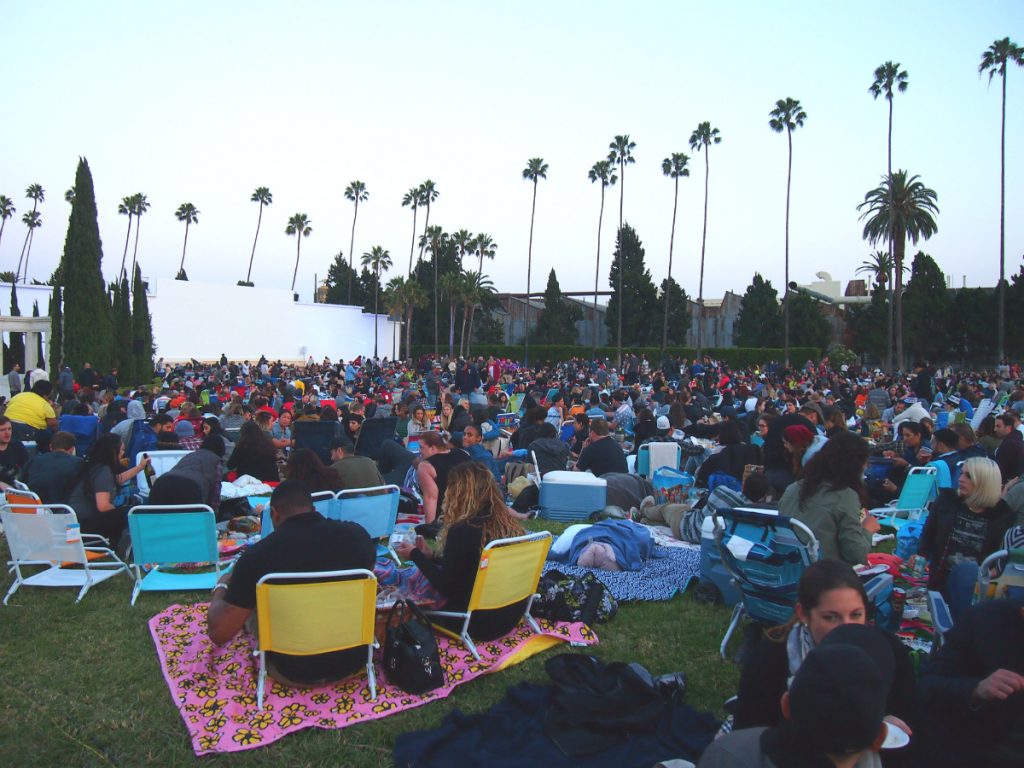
x=214, y=687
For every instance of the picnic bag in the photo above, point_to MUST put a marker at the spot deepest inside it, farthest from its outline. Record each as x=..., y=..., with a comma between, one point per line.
x=574, y=598
x=670, y=485
x=411, y=658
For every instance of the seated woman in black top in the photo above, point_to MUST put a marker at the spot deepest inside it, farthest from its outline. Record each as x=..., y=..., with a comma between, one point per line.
x=255, y=454
x=94, y=493
x=474, y=515
x=733, y=456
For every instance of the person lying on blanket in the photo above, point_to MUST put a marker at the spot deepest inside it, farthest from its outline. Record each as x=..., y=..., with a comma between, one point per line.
x=303, y=540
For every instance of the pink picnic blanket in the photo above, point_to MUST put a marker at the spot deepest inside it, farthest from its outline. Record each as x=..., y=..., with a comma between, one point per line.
x=214, y=687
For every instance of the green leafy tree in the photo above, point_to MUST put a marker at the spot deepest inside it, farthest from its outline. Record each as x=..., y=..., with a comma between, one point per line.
x=189, y=214
x=264, y=197
x=357, y=193
x=478, y=293
x=604, y=172
x=300, y=226
x=87, y=328
x=406, y=296
x=124, y=208
x=808, y=326
x=557, y=323
x=142, y=329
x=673, y=301
x=904, y=207
x=673, y=167
x=16, y=349
x=621, y=154
x=637, y=289
x=969, y=322
x=379, y=260
x=7, y=210
x=703, y=137
x=535, y=170
x=759, y=322
x=1015, y=315
x=338, y=275
x=787, y=115
x=994, y=61
x=868, y=324
x=888, y=79
x=926, y=310
x=140, y=205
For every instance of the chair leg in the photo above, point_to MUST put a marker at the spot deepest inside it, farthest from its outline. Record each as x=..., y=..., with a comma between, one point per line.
x=371, y=674
x=13, y=589
x=261, y=680
x=470, y=645
x=737, y=614
x=135, y=591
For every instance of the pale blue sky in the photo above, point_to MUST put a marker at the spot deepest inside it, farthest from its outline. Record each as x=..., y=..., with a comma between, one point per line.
x=203, y=102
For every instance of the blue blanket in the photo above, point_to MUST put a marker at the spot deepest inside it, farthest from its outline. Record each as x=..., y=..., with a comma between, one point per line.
x=667, y=572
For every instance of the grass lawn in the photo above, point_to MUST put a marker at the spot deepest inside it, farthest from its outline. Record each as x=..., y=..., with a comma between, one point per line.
x=80, y=685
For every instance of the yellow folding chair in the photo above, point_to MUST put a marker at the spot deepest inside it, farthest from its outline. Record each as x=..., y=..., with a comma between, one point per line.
x=304, y=614
x=508, y=572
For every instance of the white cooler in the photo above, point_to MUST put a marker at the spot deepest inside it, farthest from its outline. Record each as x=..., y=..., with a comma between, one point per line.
x=569, y=496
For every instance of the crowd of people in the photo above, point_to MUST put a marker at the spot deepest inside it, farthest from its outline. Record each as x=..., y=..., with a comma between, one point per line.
x=823, y=444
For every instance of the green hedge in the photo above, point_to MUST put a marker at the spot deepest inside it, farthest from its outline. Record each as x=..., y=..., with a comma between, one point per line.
x=735, y=357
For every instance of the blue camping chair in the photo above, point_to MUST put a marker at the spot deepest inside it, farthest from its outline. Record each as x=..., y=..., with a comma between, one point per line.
x=375, y=509
x=167, y=535
x=86, y=430
x=919, y=490
x=317, y=436
x=322, y=501
x=766, y=554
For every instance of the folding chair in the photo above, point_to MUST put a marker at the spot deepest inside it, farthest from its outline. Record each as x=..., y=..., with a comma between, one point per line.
x=509, y=571
x=373, y=434
x=51, y=537
x=162, y=461
x=919, y=490
x=375, y=509
x=766, y=554
x=1009, y=583
x=322, y=501
x=21, y=501
x=171, y=534
x=304, y=614
x=86, y=430
x=317, y=436
x=652, y=456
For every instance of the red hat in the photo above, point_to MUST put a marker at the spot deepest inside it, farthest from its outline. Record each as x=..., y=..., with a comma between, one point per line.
x=798, y=434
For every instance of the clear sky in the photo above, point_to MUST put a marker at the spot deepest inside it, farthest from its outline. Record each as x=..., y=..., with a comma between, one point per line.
x=202, y=102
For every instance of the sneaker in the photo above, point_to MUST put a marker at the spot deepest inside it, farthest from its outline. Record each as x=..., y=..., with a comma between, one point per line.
x=647, y=502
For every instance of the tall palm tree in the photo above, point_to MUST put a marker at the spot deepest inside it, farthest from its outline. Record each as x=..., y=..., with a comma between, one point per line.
x=378, y=260
x=190, y=215
x=483, y=246
x=141, y=205
x=36, y=194
x=451, y=285
x=300, y=226
x=357, y=193
x=673, y=167
x=787, y=115
x=406, y=297
x=905, y=208
x=69, y=195
x=436, y=239
x=621, y=154
x=33, y=220
x=264, y=197
x=994, y=61
x=7, y=210
x=477, y=287
x=888, y=77
x=535, y=170
x=412, y=198
x=428, y=193
x=604, y=172
x=462, y=240
x=702, y=138
x=124, y=208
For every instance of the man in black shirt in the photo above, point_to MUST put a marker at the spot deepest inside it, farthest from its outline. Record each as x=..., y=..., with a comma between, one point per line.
x=604, y=454
x=303, y=540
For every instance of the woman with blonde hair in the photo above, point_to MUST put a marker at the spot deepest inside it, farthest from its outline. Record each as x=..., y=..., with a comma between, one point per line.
x=965, y=526
x=475, y=514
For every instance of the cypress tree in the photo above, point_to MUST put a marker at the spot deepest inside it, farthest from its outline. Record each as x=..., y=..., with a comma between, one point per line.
x=807, y=326
x=678, y=311
x=641, y=297
x=926, y=306
x=16, y=349
x=759, y=323
x=39, y=337
x=557, y=323
x=56, y=338
x=122, y=321
x=87, y=329
x=142, y=331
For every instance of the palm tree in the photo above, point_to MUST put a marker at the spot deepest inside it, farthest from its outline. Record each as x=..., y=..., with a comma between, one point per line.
x=356, y=192
x=69, y=195
x=451, y=286
x=378, y=260
x=535, y=170
x=702, y=138
x=673, y=167
x=190, y=215
x=427, y=194
x=124, y=208
x=787, y=115
x=887, y=77
x=463, y=242
x=483, y=246
x=406, y=296
x=141, y=205
x=621, y=154
x=903, y=207
x=264, y=197
x=36, y=194
x=412, y=197
x=435, y=238
x=33, y=220
x=298, y=225
x=994, y=61
x=604, y=172
x=879, y=266
x=477, y=286
x=7, y=210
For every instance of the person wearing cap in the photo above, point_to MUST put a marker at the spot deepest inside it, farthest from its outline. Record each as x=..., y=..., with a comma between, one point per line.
x=834, y=711
x=354, y=471
x=778, y=464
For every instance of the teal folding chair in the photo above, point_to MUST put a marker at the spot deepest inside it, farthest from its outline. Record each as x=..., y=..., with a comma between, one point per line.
x=375, y=509
x=919, y=490
x=168, y=535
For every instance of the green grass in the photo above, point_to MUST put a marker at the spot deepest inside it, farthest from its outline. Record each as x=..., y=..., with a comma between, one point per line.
x=80, y=685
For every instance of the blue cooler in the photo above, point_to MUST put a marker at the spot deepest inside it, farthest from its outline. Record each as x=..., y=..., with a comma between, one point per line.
x=570, y=496
x=716, y=583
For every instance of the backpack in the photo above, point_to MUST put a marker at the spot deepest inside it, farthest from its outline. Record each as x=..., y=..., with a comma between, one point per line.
x=574, y=598
x=142, y=438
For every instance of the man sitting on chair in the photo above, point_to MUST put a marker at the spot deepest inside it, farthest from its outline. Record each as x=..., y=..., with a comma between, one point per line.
x=303, y=541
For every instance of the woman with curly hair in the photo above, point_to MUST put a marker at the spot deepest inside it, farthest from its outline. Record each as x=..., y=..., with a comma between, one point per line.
x=474, y=515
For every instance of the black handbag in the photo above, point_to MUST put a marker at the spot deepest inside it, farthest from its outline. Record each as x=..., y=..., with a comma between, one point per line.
x=411, y=658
